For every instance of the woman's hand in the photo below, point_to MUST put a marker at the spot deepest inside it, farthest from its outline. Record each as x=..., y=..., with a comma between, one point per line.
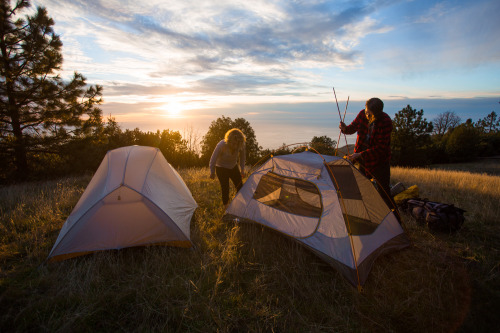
x=342, y=126
x=212, y=176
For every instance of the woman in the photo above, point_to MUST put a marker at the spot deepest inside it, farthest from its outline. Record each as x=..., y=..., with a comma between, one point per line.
x=224, y=162
x=373, y=144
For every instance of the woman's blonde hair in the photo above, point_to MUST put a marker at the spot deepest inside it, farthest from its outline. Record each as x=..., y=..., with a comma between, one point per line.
x=235, y=135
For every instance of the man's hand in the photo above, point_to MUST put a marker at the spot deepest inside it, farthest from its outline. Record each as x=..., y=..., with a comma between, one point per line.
x=342, y=126
x=354, y=157
x=212, y=176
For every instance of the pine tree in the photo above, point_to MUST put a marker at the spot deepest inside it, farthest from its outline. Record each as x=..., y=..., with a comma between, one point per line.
x=39, y=111
x=410, y=139
x=490, y=123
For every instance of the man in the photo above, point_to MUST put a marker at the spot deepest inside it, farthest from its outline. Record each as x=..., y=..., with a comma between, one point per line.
x=373, y=144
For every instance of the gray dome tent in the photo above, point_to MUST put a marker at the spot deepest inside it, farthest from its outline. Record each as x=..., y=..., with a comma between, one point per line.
x=135, y=198
x=327, y=205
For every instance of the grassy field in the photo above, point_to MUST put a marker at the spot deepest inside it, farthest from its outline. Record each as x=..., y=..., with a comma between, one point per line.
x=490, y=166
x=246, y=278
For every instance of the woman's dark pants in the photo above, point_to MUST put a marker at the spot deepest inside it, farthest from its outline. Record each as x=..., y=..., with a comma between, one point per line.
x=224, y=175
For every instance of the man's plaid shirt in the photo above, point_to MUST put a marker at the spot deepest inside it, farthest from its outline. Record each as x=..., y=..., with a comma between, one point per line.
x=376, y=148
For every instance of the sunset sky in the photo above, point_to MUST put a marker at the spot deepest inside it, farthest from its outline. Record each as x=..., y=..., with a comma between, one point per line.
x=179, y=65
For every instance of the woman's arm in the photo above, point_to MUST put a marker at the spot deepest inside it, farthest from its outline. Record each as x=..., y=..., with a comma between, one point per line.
x=213, y=159
x=243, y=155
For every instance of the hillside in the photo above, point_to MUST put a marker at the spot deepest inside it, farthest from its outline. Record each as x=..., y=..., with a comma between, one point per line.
x=245, y=278
x=345, y=150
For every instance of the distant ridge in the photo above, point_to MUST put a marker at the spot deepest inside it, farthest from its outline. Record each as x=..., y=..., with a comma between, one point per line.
x=345, y=150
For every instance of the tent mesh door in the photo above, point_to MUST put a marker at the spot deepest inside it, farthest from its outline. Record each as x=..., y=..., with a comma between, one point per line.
x=291, y=195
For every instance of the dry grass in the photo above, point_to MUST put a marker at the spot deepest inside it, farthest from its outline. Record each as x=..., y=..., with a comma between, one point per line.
x=478, y=194
x=490, y=166
x=476, y=246
x=241, y=277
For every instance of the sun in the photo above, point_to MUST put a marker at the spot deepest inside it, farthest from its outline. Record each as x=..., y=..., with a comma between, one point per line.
x=173, y=109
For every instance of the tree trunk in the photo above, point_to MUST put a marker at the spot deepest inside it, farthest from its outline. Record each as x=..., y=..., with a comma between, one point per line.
x=21, y=162
x=13, y=112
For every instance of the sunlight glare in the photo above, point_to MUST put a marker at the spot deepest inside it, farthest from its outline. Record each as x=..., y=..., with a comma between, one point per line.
x=173, y=109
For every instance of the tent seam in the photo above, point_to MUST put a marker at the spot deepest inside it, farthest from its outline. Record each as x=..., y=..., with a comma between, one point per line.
x=149, y=169
x=348, y=225
x=125, y=166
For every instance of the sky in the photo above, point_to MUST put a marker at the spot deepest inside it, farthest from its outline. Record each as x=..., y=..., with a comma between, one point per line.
x=180, y=65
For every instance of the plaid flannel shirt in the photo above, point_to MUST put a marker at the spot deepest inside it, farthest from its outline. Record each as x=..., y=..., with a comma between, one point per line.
x=377, y=149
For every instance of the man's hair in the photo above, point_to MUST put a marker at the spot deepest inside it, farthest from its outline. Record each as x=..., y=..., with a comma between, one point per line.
x=376, y=106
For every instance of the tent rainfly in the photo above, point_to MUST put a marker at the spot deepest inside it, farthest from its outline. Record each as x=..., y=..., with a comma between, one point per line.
x=327, y=205
x=135, y=198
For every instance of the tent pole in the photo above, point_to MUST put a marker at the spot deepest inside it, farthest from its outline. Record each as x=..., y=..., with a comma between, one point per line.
x=338, y=141
x=340, y=116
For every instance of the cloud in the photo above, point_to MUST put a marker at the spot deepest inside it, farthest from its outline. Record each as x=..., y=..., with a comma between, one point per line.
x=434, y=14
x=208, y=37
x=471, y=36
x=457, y=36
x=210, y=47
x=238, y=84
x=273, y=51
x=213, y=85
x=125, y=88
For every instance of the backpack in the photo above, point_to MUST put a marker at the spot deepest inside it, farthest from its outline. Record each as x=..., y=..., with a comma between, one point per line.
x=437, y=216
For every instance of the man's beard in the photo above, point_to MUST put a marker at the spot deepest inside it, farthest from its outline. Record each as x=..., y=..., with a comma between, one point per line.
x=371, y=118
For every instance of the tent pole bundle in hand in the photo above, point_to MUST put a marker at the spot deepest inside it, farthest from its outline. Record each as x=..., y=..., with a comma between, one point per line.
x=341, y=120
x=135, y=198
x=325, y=204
